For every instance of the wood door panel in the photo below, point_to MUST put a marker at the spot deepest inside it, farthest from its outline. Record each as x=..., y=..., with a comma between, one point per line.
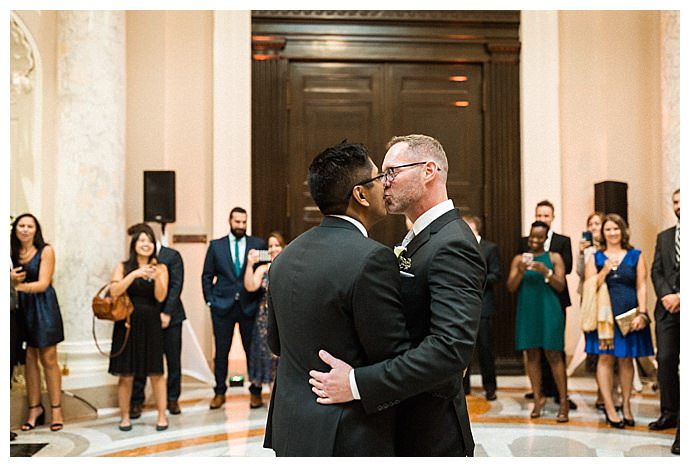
x=428, y=100
x=330, y=102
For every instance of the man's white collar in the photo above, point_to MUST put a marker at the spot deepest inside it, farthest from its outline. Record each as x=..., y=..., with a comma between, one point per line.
x=431, y=215
x=352, y=221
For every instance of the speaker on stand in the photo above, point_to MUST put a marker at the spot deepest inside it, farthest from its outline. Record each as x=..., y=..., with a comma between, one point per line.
x=159, y=197
x=611, y=198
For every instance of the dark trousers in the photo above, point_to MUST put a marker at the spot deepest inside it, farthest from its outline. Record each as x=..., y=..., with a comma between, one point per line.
x=484, y=349
x=668, y=359
x=172, y=349
x=223, y=329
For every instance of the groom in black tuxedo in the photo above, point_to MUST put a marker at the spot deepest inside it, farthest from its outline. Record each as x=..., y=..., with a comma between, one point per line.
x=666, y=278
x=443, y=275
x=333, y=286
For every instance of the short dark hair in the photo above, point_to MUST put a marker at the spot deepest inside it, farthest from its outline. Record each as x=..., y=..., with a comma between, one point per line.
x=334, y=172
x=676, y=191
x=547, y=203
x=541, y=224
x=238, y=210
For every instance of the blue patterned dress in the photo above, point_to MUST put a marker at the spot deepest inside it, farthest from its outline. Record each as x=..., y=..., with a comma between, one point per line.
x=623, y=292
x=262, y=362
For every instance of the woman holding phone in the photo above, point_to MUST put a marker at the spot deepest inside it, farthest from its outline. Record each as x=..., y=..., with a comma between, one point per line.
x=33, y=262
x=262, y=365
x=537, y=276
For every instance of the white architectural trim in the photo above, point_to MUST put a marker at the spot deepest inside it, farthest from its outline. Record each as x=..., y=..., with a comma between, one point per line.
x=540, y=114
x=232, y=110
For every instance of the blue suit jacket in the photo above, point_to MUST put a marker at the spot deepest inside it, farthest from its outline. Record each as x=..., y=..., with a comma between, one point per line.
x=228, y=288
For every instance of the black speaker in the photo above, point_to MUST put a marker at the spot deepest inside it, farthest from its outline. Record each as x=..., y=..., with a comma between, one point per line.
x=159, y=196
x=611, y=198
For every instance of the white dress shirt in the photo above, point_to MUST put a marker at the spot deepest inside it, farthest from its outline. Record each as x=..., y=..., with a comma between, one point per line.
x=352, y=221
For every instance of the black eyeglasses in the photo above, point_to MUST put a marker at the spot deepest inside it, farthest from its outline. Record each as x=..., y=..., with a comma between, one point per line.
x=391, y=172
x=365, y=182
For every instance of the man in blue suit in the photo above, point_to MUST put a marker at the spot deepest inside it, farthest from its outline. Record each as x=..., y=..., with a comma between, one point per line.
x=222, y=282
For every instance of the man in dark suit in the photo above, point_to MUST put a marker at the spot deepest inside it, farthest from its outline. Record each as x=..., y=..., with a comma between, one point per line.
x=172, y=316
x=485, y=339
x=666, y=279
x=332, y=286
x=545, y=212
x=442, y=274
x=223, y=287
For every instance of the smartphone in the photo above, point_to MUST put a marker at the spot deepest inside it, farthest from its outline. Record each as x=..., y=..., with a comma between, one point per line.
x=587, y=236
x=264, y=256
x=527, y=258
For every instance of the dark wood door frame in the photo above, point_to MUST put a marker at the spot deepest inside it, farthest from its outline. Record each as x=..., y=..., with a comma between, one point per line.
x=489, y=38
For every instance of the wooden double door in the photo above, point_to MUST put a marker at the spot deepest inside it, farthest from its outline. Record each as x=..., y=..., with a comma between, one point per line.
x=371, y=102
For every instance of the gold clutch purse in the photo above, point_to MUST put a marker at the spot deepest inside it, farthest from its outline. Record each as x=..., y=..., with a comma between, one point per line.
x=625, y=320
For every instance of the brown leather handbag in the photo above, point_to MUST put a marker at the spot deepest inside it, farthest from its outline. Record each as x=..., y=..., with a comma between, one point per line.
x=107, y=307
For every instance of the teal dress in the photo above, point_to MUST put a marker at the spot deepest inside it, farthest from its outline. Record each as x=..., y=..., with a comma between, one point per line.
x=539, y=322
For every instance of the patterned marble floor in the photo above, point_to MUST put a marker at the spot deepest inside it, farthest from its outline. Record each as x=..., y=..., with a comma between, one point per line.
x=501, y=428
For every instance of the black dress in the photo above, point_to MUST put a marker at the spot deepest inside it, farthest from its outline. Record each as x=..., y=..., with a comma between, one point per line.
x=39, y=313
x=143, y=354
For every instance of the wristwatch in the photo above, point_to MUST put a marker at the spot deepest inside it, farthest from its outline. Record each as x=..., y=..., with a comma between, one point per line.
x=547, y=279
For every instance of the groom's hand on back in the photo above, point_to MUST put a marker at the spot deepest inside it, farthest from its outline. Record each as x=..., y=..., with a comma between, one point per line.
x=332, y=387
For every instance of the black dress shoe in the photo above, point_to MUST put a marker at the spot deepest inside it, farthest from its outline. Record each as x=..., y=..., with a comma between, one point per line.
x=529, y=396
x=675, y=448
x=174, y=407
x=491, y=395
x=663, y=422
x=135, y=411
x=571, y=405
x=13, y=435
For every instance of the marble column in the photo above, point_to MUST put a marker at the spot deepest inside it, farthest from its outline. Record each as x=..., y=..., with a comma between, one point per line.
x=670, y=109
x=90, y=180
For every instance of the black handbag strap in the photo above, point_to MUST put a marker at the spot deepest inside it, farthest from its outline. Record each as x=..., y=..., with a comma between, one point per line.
x=128, y=328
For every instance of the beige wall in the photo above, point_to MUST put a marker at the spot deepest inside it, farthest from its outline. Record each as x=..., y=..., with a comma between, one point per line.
x=170, y=127
x=42, y=26
x=610, y=122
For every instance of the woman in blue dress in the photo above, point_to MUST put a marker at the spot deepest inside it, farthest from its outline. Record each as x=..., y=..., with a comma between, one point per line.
x=623, y=269
x=33, y=262
x=262, y=363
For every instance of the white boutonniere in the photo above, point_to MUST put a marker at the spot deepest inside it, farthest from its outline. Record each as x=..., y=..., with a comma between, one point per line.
x=403, y=263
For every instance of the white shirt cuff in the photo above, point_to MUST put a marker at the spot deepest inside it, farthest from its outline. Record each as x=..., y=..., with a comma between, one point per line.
x=353, y=385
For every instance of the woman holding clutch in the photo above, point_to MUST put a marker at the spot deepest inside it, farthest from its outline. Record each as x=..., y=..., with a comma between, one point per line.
x=623, y=269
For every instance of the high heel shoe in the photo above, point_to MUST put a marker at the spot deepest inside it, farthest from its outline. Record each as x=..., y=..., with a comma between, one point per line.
x=562, y=416
x=612, y=424
x=538, y=406
x=39, y=420
x=56, y=426
x=628, y=421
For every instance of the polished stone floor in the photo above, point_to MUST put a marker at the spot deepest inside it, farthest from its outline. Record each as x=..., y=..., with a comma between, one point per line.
x=501, y=428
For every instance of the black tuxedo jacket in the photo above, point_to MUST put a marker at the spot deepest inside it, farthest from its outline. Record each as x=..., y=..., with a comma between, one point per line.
x=219, y=265
x=665, y=270
x=333, y=289
x=489, y=252
x=559, y=244
x=173, y=305
x=442, y=304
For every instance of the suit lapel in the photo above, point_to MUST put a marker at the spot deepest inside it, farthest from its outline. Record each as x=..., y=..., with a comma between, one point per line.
x=226, y=256
x=431, y=229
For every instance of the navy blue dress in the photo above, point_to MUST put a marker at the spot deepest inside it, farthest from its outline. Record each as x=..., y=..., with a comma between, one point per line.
x=39, y=313
x=623, y=292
